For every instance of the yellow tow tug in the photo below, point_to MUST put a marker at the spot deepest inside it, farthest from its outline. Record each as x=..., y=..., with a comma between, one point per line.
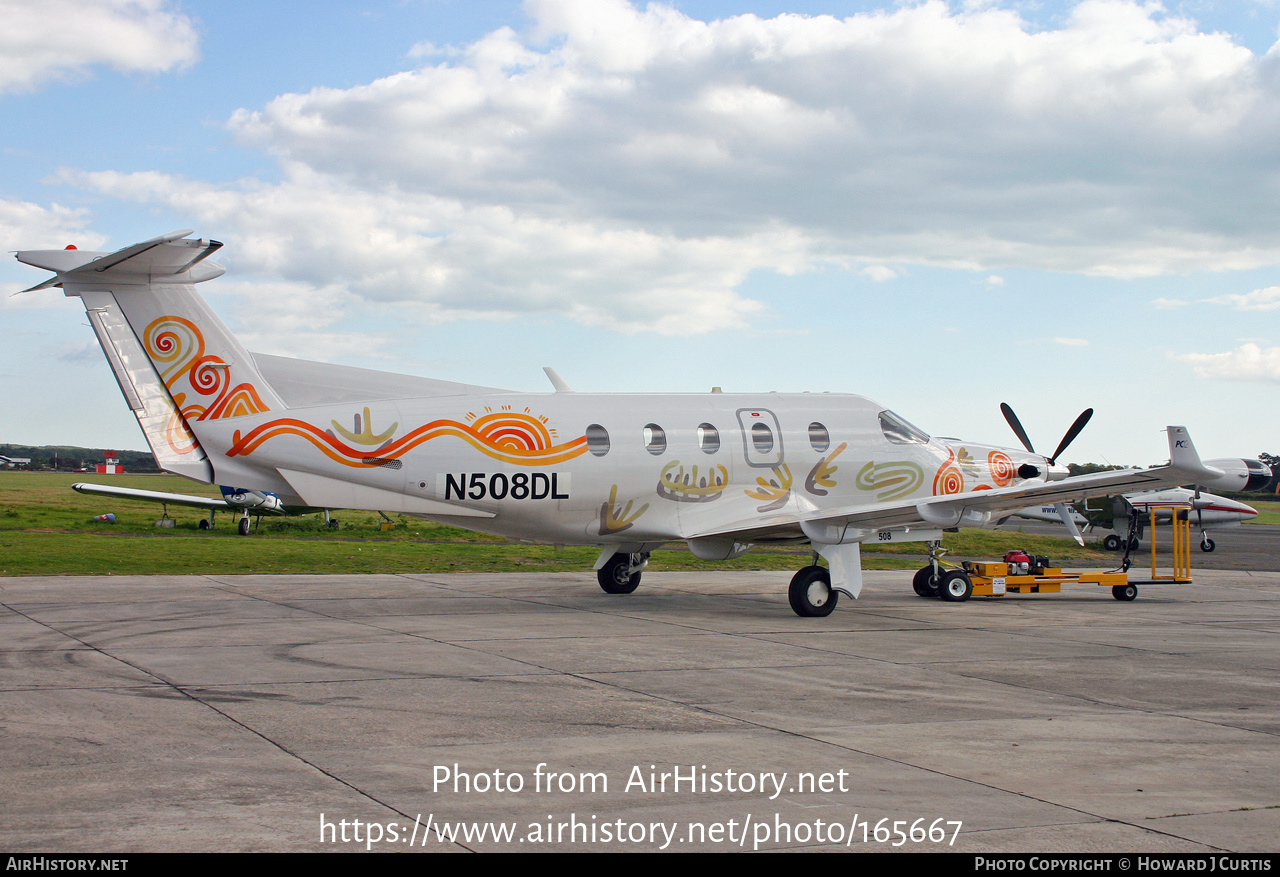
x=1022, y=573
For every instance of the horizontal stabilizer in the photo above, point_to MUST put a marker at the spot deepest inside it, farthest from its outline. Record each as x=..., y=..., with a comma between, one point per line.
x=168, y=258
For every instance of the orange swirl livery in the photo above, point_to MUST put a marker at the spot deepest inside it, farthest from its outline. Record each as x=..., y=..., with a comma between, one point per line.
x=949, y=479
x=177, y=346
x=510, y=437
x=1002, y=468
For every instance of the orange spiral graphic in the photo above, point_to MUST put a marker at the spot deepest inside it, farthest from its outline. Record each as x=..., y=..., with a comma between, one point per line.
x=206, y=379
x=1001, y=466
x=949, y=479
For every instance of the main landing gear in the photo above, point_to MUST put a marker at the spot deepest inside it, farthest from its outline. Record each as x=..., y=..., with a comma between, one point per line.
x=621, y=573
x=1115, y=543
x=810, y=593
x=1207, y=544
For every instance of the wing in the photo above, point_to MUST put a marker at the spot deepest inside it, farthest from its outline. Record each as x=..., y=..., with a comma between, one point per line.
x=200, y=502
x=847, y=524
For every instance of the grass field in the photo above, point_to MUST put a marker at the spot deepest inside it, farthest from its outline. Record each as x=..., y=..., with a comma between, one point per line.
x=1268, y=512
x=46, y=528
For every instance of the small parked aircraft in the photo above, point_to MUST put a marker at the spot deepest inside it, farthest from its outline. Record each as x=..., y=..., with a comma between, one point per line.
x=627, y=473
x=246, y=502
x=1208, y=512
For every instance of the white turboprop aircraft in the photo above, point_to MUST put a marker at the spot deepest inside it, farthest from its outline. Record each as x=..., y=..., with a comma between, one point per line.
x=627, y=473
x=246, y=502
x=1208, y=512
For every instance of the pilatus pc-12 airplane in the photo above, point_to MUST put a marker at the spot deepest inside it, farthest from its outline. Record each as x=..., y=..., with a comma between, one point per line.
x=720, y=472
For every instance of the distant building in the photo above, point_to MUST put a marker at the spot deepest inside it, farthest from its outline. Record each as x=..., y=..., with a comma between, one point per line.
x=110, y=464
x=15, y=462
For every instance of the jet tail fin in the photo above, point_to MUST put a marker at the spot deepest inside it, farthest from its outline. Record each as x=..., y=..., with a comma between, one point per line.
x=1184, y=457
x=176, y=363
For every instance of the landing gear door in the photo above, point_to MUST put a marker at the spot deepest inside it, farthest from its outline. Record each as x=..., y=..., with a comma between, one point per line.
x=761, y=437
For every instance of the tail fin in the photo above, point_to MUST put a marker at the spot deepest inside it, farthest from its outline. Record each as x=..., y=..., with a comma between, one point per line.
x=175, y=361
x=1183, y=456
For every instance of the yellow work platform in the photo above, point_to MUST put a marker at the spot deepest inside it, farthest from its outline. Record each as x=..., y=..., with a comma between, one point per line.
x=994, y=579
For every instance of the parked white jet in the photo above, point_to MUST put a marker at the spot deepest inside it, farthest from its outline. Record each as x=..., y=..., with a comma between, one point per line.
x=719, y=472
x=246, y=502
x=1208, y=512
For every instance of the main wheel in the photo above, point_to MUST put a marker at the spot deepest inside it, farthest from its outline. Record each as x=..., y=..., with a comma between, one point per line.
x=1125, y=593
x=616, y=577
x=810, y=593
x=1134, y=544
x=1208, y=544
x=243, y=526
x=1112, y=542
x=956, y=586
x=924, y=584
x=204, y=524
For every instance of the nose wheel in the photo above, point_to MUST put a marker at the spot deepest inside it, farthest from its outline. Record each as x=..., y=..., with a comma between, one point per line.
x=927, y=583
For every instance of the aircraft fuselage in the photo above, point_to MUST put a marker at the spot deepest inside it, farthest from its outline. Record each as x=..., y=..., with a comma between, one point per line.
x=578, y=468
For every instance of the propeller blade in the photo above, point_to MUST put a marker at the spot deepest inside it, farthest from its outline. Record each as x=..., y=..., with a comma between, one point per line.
x=1016, y=426
x=1064, y=512
x=1074, y=431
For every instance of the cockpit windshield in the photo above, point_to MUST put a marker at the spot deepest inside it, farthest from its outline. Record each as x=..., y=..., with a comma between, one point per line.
x=899, y=431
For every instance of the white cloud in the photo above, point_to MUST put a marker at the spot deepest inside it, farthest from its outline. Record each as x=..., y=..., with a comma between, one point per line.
x=630, y=168
x=1072, y=342
x=453, y=260
x=880, y=273
x=1249, y=362
x=58, y=39
x=1267, y=299
x=995, y=280
x=1169, y=304
x=924, y=134
x=27, y=226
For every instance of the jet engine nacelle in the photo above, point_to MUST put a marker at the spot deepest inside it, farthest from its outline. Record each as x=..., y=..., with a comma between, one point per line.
x=1238, y=474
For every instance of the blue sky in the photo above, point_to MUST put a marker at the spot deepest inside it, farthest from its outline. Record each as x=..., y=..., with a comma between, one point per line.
x=940, y=206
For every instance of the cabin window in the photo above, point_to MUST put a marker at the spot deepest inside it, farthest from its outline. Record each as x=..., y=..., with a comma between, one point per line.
x=762, y=437
x=655, y=440
x=597, y=440
x=708, y=438
x=900, y=432
x=819, y=438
